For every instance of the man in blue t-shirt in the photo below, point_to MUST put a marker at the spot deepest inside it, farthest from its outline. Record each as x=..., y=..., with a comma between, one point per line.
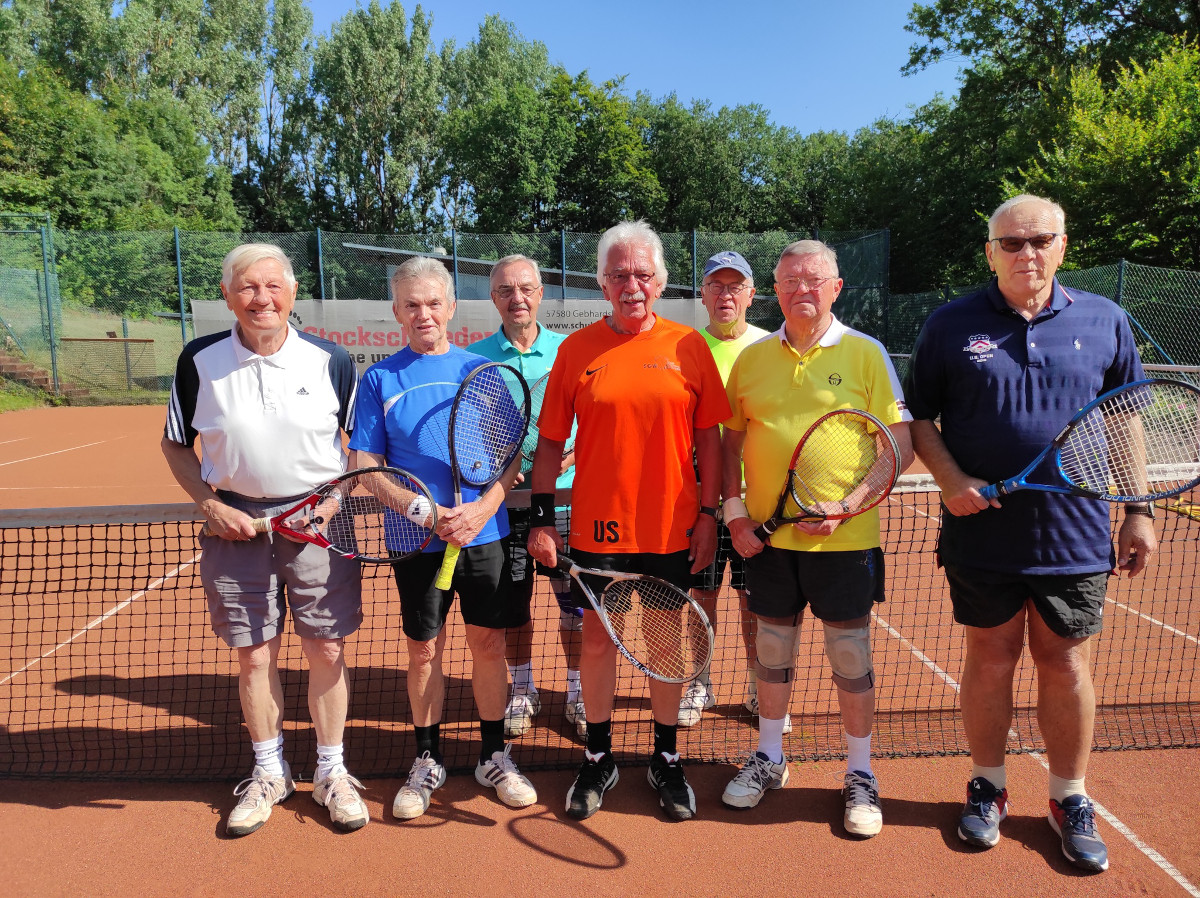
x=516, y=291
x=1005, y=369
x=403, y=416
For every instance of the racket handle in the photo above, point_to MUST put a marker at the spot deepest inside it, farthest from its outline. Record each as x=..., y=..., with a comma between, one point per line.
x=446, y=574
x=992, y=490
x=762, y=533
x=260, y=525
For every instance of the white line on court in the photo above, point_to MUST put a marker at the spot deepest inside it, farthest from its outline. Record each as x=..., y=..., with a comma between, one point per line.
x=1155, y=858
x=120, y=606
x=1188, y=636
x=16, y=440
x=48, y=454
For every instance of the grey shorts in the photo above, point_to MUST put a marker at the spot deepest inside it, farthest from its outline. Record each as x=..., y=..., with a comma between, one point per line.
x=838, y=586
x=251, y=585
x=1072, y=605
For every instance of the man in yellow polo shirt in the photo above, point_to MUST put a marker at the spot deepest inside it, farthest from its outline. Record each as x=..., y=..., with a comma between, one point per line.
x=778, y=387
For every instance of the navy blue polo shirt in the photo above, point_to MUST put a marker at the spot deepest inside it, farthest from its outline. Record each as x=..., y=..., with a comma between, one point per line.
x=1004, y=387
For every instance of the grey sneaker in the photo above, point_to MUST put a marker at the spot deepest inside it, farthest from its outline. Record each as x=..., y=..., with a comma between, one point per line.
x=697, y=699
x=258, y=794
x=339, y=793
x=519, y=713
x=754, y=779
x=864, y=816
x=578, y=716
x=425, y=776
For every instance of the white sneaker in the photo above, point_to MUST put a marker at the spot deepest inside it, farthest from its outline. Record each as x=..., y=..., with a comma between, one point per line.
x=518, y=714
x=697, y=699
x=258, y=794
x=578, y=716
x=757, y=776
x=864, y=816
x=425, y=776
x=339, y=793
x=751, y=705
x=502, y=774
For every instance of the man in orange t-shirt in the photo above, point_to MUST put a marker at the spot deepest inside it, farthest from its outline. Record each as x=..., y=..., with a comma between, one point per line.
x=647, y=398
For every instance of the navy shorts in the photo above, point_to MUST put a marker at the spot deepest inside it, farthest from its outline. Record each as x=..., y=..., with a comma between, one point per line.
x=1072, y=605
x=838, y=586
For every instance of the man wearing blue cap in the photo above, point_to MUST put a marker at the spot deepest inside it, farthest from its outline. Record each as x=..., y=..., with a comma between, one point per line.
x=727, y=291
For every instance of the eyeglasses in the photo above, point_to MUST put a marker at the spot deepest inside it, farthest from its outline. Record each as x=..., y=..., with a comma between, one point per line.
x=734, y=290
x=1016, y=244
x=508, y=291
x=805, y=285
x=620, y=277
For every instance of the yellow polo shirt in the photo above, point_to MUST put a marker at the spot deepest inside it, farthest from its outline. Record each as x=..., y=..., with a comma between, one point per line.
x=776, y=395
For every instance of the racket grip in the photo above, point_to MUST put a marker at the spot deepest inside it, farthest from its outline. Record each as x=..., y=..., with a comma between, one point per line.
x=991, y=491
x=762, y=533
x=446, y=574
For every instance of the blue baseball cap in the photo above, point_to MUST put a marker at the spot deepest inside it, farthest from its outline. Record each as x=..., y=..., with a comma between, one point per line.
x=728, y=259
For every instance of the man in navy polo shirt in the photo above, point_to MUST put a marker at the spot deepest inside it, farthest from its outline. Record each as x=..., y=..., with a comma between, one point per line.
x=1006, y=368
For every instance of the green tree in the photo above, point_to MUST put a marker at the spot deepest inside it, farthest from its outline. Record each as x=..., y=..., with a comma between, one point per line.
x=1125, y=163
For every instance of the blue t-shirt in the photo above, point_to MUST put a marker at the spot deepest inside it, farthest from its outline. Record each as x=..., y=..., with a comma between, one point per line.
x=1004, y=387
x=403, y=414
x=533, y=365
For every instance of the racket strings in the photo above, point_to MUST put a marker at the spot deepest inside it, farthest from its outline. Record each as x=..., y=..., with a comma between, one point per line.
x=1138, y=444
x=845, y=466
x=382, y=514
x=489, y=425
x=659, y=627
x=537, y=393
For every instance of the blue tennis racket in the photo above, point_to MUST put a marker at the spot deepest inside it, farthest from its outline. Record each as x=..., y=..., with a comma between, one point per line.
x=1137, y=443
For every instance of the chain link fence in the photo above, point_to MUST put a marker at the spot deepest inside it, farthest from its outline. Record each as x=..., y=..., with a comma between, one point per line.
x=121, y=300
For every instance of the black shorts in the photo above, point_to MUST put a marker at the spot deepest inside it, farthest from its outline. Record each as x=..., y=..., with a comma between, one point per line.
x=518, y=541
x=1072, y=605
x=838, y=586
x=711, y=578
x=482, y=581
x=673, y=567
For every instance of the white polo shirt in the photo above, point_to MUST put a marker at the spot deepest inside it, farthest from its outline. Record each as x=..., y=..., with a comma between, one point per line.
x=269, y=426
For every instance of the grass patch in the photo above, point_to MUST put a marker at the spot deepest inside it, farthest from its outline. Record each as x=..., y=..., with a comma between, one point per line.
x=15, y=396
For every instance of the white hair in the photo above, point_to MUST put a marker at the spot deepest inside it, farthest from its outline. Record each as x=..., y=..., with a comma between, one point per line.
x=809, y=248
x=631, y=233
x=1022, y=199
x=425, y=269
x=242, y=257
x=513, y=260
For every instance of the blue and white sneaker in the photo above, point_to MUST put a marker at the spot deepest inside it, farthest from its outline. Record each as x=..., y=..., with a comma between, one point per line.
x=1075, y=822
x=986, y=806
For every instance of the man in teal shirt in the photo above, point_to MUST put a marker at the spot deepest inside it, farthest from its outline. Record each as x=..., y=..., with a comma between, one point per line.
x=516, y=291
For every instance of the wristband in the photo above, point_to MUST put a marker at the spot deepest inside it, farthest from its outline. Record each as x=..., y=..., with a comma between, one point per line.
x=1144, y=509
x=709, y=510
x=541, y=510
x=733, y=509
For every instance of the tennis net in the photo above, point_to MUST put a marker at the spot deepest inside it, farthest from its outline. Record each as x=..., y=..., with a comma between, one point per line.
x=110, y=669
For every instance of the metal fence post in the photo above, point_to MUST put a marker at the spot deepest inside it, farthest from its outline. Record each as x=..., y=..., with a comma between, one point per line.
x=320, y=267
x=179, y=286
x=886, y=286
x=694, y=293
x=454, y=253
x=45, y=229
x=563, y=249
x=1120, y=282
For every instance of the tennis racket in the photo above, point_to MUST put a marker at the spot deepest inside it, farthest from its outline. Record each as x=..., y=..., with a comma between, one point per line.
x=537, y=392
x=658, y=627
x=846, y=463
x=1137, y=443
x=488, y=421
x=373, y=514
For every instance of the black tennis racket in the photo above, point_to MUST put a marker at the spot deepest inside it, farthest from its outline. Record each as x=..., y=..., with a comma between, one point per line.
x=537, y=392
x=376, y=515
x=658, y=627
x=1137, y=443
x=488, y=421
x=846, y=463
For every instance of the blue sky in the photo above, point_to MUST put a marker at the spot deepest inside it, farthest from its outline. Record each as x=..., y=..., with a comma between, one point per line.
x=814, y=66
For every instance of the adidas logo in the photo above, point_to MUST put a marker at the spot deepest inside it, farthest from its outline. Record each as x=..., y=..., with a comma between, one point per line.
x=302, y=392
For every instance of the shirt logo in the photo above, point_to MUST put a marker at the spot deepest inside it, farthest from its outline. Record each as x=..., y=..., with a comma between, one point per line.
x=1076, y=344
x=590, y=371
x=980, y=346
x=302, y=392
x=835, y=379
x=662, y=363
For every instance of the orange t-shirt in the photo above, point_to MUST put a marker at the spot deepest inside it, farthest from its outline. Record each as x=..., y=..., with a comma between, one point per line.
x=639, y=400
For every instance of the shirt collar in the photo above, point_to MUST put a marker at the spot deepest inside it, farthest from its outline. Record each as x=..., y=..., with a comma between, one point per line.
x=507, y=345
x=1059, y=298
x=832, y=336
x=244, y=354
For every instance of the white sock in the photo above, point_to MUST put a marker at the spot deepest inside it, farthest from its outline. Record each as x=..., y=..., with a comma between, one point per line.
x=770, y=738
x=269, y=755
x=329, y=758
x=858, y=754
x=1062, y=788
x=572, y=686
x=522, y=677
x=994, y=775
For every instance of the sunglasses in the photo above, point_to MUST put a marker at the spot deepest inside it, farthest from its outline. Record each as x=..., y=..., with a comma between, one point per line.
x=1016, y=244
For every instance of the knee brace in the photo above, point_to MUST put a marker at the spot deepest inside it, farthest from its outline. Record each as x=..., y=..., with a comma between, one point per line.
x=849, y=653
x=776, y=648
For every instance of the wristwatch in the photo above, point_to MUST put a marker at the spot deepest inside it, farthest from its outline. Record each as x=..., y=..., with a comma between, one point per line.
x=1146, y=509
x=712, y=512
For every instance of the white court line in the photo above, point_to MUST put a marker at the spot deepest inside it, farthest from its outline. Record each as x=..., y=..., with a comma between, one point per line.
x=16, y=440
x=1188, y=636
x=120, y=606
x=1157, y=859
x=48, y=454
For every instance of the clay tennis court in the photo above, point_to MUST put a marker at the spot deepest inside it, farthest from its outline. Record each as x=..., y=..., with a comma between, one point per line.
x=143, y=682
